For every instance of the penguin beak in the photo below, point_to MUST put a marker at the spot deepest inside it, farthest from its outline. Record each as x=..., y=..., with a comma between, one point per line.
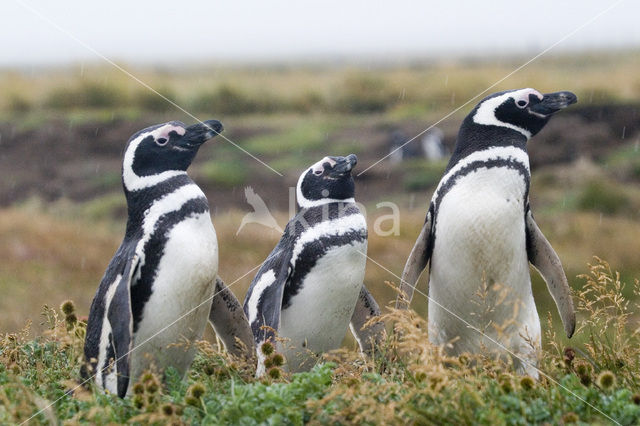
x=345, y=164
x=199, y=133
x=554, y=102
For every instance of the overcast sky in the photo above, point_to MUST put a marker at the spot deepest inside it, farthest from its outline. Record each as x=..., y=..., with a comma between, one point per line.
x=175, y=32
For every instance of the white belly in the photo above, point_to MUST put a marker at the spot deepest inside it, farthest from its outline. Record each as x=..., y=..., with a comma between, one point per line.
x=318, y=317
x=479, y=265
x=182, y=291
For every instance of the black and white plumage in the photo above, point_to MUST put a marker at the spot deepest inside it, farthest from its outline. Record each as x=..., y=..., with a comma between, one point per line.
x=310, y=287
x=165, y=267
x=432, y=145
x=479, y=234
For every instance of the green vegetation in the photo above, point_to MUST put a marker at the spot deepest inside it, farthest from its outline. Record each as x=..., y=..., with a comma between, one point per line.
x=424, y=87
x=228, y=99
x=104, y=207
x=603, y=197
x=87, y=95
x=302, y=137
x=364, y=93
x=408, y=381
x=223, y=173
x=420, y=174
x=625, y=162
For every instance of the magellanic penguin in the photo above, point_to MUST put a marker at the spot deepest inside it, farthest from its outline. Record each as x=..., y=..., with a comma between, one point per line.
x=479, y=235
x=309, y=289
x=165, y=268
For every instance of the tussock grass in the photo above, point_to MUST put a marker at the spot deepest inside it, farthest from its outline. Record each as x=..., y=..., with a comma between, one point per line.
x=408, y=380
x=409, y=90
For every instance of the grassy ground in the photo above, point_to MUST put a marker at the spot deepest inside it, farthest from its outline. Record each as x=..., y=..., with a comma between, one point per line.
x=408, y=381
x=411, y=88
x=50, y=254
x=54, y=251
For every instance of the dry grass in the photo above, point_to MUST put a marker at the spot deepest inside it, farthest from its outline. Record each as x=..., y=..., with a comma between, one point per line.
x=46, y=260
x=408, y=380
x=429, y=87
x=50, y=253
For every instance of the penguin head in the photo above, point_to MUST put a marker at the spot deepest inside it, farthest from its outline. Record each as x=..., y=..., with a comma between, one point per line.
x=328, y=180
x=525, y=111
x=162, y=150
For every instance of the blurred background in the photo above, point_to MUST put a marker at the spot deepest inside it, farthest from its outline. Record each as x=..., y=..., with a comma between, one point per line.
x=293, y=82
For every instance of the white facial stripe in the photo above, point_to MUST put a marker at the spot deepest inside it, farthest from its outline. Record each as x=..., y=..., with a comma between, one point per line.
x=485, y=114
x=301, y=200
x=163, y=132
x=304, y=202
x=319, y=166
x=523, y=94
x=338, y=226
x=132, y=181
x=265, y=281
x=484, y=155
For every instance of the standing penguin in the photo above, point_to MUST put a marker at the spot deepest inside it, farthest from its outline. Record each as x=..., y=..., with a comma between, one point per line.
x=164, y=269
x=309, y=289
x=479, y=235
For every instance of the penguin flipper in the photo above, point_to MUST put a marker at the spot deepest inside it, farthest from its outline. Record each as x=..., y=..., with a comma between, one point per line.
x=263, y=302
x=371, y=336
x=416, y=263
x=230, y=323
x=546, y=261
x=120, y=318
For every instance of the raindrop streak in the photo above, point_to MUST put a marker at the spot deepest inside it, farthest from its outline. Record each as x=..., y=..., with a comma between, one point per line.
x=600, y=221
x=636, y=145
x=624, y=130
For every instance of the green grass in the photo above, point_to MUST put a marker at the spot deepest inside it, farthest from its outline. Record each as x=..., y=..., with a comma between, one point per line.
x=108, y=180
x=420, y=174
x=300, y=137
x=105, y=207
x=225, y=174
x=603, y=197
x=624, y=162
x=409, y=381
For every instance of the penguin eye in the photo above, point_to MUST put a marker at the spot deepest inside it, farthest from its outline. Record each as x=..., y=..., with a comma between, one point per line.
x=522, y=103
x=162, y=141
x=317, y=172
